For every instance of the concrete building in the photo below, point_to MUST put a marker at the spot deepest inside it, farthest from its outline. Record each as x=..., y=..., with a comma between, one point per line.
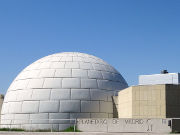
x=149, y=101
x=61, y=86
x=156, y=96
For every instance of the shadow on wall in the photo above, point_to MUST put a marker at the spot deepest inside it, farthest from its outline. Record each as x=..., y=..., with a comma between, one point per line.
x=1, y=102
x=1, y=96
x=115, y=106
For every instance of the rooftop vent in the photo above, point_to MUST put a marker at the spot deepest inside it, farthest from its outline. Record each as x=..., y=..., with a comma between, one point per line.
x=164, y=72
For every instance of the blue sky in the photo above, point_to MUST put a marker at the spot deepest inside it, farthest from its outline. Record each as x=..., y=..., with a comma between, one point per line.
x=135, y=36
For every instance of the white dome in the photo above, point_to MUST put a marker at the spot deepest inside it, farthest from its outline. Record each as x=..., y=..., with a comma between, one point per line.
x=61, y=86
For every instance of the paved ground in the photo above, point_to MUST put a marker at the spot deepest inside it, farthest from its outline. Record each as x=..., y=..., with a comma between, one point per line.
x=77, y=133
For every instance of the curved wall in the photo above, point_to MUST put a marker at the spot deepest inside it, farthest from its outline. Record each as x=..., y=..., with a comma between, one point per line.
x=61, y=86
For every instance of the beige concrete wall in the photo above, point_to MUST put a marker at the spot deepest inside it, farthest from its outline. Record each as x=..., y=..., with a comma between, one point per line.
x=125, y=103
x=146, y=101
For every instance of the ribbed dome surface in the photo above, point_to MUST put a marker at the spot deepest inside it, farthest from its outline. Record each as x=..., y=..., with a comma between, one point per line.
x=61, y=86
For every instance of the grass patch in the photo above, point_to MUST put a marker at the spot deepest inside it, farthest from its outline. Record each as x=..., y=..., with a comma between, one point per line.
x=40, y=130
x=18, y=129
x=11, y=129
x=175, y=132
x=71, y=129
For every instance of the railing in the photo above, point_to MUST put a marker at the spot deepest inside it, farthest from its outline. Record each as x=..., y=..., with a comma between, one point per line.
x=27, y=124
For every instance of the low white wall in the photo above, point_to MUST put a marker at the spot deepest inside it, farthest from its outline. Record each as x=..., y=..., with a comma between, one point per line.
x=125, y=125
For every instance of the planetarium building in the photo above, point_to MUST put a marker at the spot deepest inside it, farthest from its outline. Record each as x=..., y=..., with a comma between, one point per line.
x=60, y=87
